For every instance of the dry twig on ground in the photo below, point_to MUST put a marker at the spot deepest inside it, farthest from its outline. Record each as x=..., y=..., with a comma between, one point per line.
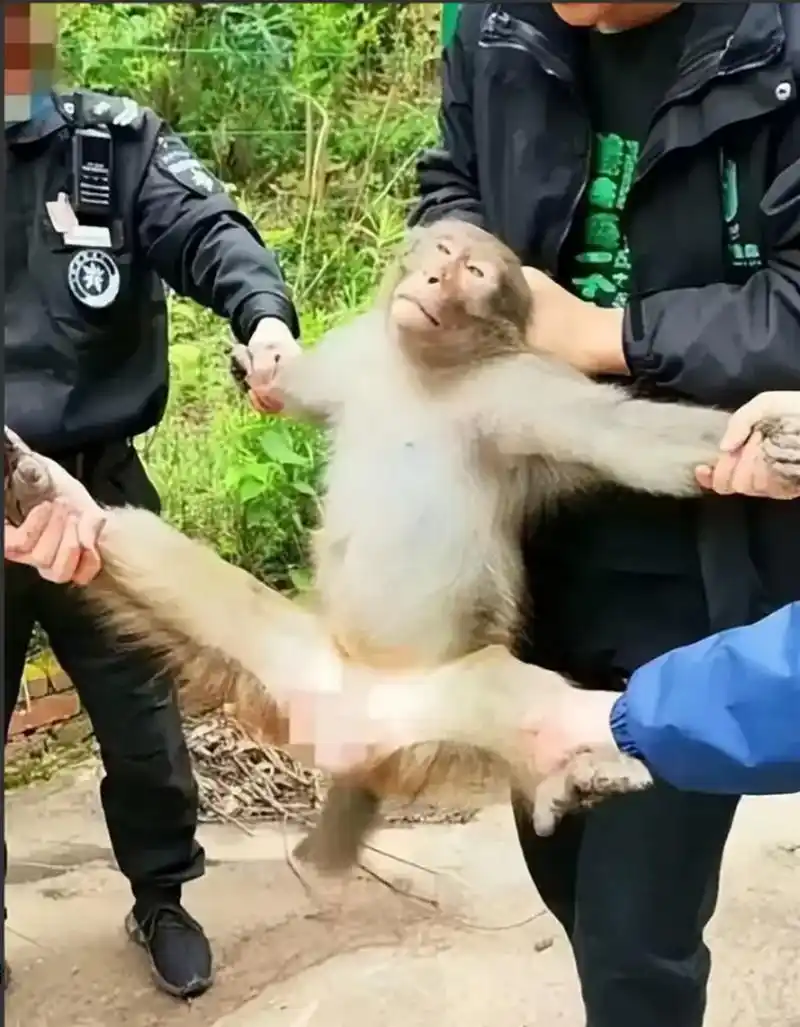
x=243, y=782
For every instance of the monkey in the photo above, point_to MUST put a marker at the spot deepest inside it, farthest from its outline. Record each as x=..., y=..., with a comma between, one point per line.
x=446, y=432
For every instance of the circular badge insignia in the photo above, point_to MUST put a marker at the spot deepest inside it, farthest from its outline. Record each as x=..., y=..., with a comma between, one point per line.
x=93, y=278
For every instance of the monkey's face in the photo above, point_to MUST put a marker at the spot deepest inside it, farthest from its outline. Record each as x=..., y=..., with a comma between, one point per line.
x=459, y=295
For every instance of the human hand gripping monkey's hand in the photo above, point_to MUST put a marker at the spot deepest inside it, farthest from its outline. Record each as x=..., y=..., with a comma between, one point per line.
x=760, y=451
x=58, y=538
x=584, y=335
x=255, y=366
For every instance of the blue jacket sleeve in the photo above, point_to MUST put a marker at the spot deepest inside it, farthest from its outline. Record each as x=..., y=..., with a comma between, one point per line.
x=722, y=715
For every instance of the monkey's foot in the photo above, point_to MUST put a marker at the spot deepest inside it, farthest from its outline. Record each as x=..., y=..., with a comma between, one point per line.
x=27, y=481
x=587, y=779
x=781, y=446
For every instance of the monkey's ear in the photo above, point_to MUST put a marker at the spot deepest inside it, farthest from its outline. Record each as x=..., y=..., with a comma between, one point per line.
x=393, y=275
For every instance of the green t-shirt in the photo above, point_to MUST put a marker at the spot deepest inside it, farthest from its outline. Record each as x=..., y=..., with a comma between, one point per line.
x=627, y=75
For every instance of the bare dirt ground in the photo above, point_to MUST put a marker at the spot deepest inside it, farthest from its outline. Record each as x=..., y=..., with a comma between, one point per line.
x=334, y=957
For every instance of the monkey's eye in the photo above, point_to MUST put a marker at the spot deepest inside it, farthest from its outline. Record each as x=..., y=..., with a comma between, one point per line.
x=440, y=246
x=473, y=270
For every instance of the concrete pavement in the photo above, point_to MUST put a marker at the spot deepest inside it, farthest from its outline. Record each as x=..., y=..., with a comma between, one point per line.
x=306, y=954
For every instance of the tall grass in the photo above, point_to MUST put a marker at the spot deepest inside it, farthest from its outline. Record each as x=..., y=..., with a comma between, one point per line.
x=313, y=115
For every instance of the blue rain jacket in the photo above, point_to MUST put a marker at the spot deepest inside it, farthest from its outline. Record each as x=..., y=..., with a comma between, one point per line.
x=722, y=715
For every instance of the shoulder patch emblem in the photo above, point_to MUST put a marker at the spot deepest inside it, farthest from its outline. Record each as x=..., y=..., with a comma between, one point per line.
x=111, y=111
x=174, y=158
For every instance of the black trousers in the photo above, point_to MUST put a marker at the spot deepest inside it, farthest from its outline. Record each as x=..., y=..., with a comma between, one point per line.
x=634, y=883
x=635, y=880
x=149, y=795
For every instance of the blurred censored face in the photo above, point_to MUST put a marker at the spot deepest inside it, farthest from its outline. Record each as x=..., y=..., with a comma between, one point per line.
x=613, y=16
x=29, y=56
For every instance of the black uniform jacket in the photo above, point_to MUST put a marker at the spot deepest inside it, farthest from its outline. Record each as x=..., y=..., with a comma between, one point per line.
x=81, y=374
x=625, y=577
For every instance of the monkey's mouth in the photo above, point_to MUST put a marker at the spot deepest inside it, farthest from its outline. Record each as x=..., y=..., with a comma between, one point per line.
x=419, y=306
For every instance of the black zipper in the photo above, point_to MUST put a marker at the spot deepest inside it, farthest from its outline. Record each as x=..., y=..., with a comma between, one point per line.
x=502, y=31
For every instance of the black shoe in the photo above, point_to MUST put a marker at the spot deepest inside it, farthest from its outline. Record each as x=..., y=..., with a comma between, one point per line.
x=179, y=952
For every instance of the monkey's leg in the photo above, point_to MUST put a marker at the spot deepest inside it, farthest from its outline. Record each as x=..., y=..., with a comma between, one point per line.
x=782, y=446
x=464, y=731
x=172, y=591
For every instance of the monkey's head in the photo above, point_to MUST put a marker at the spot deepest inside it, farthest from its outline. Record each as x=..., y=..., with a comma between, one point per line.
x=457, y=297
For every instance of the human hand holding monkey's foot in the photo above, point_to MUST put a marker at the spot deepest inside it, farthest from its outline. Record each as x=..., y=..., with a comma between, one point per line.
x=255, y=366
x=760, y=451
x=51, y=523
x=573, y=753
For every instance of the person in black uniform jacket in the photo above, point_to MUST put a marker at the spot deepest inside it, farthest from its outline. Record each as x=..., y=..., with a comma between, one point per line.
x=643, y=160
x=103, y=201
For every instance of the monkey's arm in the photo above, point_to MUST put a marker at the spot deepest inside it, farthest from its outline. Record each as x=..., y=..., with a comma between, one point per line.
x=528, y=405
x=315, y=385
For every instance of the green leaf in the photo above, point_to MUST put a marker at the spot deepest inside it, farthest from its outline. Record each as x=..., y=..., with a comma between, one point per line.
x=253, y=469
x=184, y=354
x=278, y=449
x=250, y=489
x=301, y=579
x=305, y=488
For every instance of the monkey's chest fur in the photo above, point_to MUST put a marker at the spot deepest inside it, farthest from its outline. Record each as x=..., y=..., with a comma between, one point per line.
x=418, y=558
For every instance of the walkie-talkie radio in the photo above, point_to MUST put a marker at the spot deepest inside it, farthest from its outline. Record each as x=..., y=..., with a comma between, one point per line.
x=92, y=167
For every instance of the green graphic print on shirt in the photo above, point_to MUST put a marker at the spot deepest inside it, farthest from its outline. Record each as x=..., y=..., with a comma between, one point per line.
x=603, y=265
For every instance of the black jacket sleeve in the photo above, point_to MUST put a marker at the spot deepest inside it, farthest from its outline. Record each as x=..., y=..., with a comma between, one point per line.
x=448, y=175
x=196, y=239
x=723, y=344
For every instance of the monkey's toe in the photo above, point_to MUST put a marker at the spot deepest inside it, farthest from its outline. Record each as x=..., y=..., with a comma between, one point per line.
x=586, y=780
x=26, y=479
x=596, y=777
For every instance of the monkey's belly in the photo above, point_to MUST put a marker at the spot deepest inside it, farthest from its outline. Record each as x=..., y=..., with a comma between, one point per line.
x=414, y=558
x=423, y=613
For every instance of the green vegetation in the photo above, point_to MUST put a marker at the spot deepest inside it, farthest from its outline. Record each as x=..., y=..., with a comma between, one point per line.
x=312, y=114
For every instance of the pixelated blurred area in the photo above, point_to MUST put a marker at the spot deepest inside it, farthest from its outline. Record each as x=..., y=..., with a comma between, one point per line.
x=29, y=52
